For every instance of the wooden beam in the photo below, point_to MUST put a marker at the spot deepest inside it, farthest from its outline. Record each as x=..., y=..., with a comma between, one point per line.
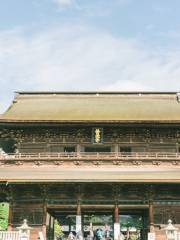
x=106, y=206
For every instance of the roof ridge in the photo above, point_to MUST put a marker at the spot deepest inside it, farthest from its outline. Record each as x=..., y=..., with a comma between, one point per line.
x=96, y=92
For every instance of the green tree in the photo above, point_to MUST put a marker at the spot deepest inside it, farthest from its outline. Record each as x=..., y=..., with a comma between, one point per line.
x=57, y=229
x=4, y=212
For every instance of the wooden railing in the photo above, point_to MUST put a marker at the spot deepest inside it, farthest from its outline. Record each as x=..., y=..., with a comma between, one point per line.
x=91, y=155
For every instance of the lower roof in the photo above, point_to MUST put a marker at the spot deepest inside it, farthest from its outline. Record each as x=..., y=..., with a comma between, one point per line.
x=56, y=174
x=93, y=107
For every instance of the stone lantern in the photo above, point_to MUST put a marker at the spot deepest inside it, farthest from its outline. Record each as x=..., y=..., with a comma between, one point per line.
x=24, y=230
x=171, y=231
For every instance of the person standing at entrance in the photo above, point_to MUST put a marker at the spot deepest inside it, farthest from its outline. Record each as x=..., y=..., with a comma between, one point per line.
x=91, y=232
x=71, y=236
x=99, y=234
x=106, y=232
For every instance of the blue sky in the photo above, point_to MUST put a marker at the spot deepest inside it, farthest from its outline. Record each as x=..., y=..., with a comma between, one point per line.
x=62, y=45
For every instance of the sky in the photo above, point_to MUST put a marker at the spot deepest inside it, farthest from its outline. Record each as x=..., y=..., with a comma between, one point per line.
x=94, y=45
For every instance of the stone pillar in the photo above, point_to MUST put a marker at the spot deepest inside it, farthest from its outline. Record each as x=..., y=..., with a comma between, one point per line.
x=78, y=218
x=44, y=220
x=151, y=216
x=116, y=223
x=10, y=217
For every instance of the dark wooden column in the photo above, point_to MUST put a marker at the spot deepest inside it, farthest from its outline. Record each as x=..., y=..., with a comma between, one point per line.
x=78, y=149
x=116, y=223
x=116, y=214
x=78, y=213
x=151, y=216
x=53, y=229
x=49, y=226
x=44, y=219
x=10, y=193
x=10, y=216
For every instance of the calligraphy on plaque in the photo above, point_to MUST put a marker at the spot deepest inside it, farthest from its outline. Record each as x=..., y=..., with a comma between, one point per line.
x=97, y=135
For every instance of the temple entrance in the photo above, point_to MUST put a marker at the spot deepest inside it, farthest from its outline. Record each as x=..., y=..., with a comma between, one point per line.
x=134, y=224
x=99, y=224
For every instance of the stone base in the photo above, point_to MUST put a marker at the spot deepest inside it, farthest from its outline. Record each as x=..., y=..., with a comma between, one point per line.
x=78, y=224
x=117, y=231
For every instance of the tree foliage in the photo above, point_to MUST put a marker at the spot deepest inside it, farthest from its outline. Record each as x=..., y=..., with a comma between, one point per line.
x=4, y=211
x=57, y=229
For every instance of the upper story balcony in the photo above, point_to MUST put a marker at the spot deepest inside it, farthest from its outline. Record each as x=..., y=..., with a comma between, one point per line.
x=93, y=156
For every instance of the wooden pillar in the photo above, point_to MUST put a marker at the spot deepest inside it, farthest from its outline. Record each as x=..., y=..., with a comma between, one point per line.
x=116, y=148
x=48, y=219
x=116, y=214
x=78, y=148
x=151, y=216
x=78, y=209
x=50, y=235
x=53, y=229
x=10, y=217
x=147, y=147
x=116, y=223
x=44, y=220
x=177, y=147
x=78, y=218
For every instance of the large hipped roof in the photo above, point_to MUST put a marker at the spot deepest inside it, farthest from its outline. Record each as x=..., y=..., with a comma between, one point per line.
x=93, y=107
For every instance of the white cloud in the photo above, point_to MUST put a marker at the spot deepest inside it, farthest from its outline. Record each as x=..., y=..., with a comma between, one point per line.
x=63, y=3
x=69, y=58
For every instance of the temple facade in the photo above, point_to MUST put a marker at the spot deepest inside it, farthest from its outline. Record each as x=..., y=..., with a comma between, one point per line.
x=106, y=161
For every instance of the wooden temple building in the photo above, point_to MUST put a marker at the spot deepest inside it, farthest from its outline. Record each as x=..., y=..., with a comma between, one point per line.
x=92, y=159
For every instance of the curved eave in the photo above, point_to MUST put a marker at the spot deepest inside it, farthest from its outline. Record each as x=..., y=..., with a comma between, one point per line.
x=90, y=121
x=12, y=124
